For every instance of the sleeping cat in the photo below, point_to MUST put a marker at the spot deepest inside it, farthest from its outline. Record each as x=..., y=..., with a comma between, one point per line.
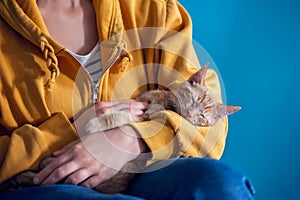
x=191, y=99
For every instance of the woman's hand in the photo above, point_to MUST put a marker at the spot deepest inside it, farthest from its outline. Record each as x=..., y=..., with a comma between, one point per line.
x=76, y=165
x=134, y=107
x=111, y=150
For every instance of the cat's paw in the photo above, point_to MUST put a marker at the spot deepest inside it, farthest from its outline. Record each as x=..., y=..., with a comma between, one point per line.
x=25, y=178
x=92, y=126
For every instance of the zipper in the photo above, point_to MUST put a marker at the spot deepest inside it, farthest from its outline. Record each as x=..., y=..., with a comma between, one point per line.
x=95, y=87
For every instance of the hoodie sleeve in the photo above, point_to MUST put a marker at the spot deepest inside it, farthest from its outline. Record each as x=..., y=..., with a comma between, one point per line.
x=168, y=134
x=27, y=145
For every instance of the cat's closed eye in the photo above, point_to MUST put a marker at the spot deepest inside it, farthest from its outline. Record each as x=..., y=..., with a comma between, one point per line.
x=201, y=115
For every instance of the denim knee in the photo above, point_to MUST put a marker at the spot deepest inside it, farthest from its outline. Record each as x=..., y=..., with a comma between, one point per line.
x=194, y=178
x=69, y=192
x=213, y=179
x=217, y=180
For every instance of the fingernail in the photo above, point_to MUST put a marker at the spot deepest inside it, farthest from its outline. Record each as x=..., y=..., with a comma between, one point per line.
x=145, y=104
x=139, y=113
x=36, y=180
x=56, y=152
x=139, y=105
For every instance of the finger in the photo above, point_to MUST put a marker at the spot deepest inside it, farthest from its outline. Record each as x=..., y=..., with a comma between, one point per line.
x=56, y=163
x=129, y=105
x=78, y=176
x=136, y=108
x=93, y=181
x=127, y=102
x=103, y=104
x=106, y=107
x=136, y=112
x=138, y=105
x=60, y=173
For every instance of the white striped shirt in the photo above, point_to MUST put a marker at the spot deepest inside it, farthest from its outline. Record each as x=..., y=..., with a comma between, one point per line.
x=91, y=62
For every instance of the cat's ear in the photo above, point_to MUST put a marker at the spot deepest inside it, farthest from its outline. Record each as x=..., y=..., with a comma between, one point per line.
x=199, y=76
x=223, y=110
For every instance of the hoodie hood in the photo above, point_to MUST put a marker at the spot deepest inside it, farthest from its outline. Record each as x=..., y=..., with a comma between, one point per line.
x=24, y=17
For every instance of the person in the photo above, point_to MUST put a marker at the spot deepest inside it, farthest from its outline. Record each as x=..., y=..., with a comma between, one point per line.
x=57, y=68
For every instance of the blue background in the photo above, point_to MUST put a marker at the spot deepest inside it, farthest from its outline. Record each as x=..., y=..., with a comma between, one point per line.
x=256, y=46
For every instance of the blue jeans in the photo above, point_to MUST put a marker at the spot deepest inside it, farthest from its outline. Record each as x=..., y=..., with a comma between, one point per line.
x=184, y=178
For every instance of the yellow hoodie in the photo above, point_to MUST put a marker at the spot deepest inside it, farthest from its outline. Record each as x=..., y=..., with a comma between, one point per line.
x=42, y=87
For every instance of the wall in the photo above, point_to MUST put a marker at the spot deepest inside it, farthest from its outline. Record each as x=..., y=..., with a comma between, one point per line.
x=256, y=46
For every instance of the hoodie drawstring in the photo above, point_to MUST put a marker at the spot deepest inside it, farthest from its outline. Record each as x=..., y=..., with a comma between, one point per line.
x=51, y=60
